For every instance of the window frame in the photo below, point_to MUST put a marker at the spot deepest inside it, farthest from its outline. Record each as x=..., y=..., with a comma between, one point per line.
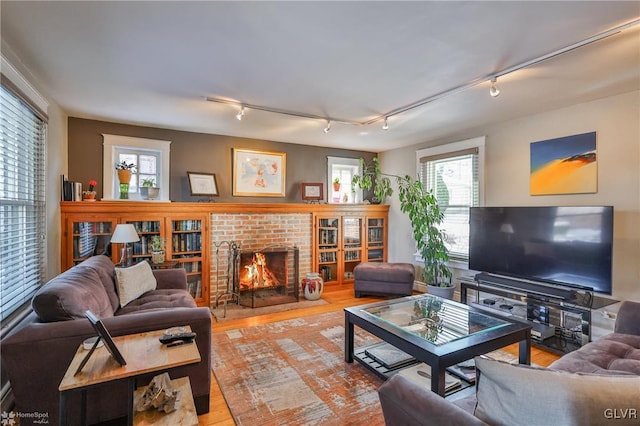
x=450, y=150
x=113, y=143
x=345, y=163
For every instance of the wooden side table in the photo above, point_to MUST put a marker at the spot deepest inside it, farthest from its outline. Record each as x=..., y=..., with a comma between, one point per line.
x=143, y=353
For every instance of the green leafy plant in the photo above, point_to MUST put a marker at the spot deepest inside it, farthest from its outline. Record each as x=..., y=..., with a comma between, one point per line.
x=336, y=181
x=148, y=182
x=157, y=243
x=424, y=213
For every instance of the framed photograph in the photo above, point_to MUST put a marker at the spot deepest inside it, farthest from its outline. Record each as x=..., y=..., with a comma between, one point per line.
x=103, y=334
x=258, y=173
x=202, y=183
x=312, y=191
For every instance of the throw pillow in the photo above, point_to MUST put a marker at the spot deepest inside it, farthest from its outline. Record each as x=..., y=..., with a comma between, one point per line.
x=134, y=281
x=514, y=394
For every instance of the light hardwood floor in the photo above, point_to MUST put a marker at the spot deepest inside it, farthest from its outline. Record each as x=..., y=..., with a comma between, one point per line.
x=338, y=299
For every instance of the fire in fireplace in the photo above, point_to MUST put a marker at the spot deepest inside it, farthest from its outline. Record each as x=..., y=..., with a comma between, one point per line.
x=267, y=277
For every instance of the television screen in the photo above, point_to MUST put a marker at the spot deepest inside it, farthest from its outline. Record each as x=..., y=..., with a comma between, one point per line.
x=571, y=246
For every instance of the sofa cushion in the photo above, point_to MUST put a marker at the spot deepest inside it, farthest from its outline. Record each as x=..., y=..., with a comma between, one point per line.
x=159, y=299
x=134, y=281
x=70, y=294
x=615, y=353
x=513, y=394
x=105, y=268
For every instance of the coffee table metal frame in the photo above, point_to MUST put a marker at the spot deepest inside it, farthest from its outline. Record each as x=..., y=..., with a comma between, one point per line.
x=439, y=357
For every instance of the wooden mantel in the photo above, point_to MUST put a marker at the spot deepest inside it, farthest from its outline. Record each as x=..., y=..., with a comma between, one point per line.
x=183, y=207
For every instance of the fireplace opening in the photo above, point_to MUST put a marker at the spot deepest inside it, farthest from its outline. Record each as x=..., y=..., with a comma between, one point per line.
x=267, y=277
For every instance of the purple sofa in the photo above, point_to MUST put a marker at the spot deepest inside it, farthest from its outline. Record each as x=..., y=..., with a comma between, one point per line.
x=37, y=353
x=596, y=384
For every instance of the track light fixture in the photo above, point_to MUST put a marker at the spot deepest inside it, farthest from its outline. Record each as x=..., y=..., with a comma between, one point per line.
x=385, y=126
x=494, y=91
x=326, y=129
x=240, y=113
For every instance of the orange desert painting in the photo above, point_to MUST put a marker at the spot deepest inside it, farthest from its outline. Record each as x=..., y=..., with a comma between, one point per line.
x=566, y=165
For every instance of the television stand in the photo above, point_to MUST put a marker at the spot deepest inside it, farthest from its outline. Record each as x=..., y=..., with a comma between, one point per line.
x=560, y=316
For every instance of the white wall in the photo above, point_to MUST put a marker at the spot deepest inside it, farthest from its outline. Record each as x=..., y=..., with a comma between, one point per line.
x=617, y=122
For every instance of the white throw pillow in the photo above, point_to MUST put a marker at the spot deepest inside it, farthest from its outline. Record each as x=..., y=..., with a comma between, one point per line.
x=513, y=394
x=133, y=282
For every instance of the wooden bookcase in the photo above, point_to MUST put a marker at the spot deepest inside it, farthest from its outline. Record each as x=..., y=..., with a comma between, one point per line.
x=87, y=229
x=343, y=239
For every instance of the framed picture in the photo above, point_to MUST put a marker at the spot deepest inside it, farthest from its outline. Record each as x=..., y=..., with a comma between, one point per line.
x=312, y=191
x=202, y=183
x=258, y=173
x=103, y=334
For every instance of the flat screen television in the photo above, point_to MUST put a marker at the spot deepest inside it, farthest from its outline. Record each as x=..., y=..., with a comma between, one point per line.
x=568, y=246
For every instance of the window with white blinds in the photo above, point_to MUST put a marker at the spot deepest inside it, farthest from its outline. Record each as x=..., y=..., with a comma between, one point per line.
x=22, y=202
x=454, y=173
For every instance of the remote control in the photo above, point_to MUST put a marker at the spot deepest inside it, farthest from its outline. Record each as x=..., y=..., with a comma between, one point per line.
x=168, y=338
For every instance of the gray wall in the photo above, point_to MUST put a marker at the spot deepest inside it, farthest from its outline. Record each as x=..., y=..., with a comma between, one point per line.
x=200, y=152
x=616, y=120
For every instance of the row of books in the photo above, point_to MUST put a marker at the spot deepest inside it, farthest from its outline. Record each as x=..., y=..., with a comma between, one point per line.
x=70, y=191
x=187, y=225
x=187, y=242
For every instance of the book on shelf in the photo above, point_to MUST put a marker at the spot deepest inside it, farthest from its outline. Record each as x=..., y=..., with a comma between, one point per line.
x=421, y=374
x=464, y=370
x=389, y=356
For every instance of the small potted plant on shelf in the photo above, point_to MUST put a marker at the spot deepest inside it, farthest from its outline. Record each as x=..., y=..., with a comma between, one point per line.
x=157, y=249
x=90, y=195
x=149, y=190
x=124, y=170
x=336, y=184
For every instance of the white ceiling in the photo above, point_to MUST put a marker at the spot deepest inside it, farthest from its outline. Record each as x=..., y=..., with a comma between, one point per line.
x=154, y=63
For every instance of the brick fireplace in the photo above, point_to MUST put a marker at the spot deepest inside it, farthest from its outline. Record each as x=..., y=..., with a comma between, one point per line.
x=253, y=232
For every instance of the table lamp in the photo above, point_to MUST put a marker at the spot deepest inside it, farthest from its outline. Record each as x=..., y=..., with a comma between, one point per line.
x=125, y=233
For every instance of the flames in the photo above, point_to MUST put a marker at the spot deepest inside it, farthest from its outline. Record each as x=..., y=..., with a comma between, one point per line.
x=257, y=274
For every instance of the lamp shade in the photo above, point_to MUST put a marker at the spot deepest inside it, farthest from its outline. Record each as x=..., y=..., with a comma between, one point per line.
x=125, y=233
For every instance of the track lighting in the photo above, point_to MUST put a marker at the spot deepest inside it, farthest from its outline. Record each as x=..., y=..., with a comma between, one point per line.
x=240, y=114
x=326, y=129
x=493, y=91
x=385, y=126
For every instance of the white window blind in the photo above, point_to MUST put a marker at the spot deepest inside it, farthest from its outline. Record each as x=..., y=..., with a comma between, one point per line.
x=22, y=202
x=454, y=175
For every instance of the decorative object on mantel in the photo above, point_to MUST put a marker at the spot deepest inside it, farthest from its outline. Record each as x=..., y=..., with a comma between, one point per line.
x=157, y=249
x=149, y=190
x=124, y=177
x=312, y=191
x=203, y=184
x=313, y=286
x=336, y=185
x=258, y=173
x=90, y=195
x=566, y=165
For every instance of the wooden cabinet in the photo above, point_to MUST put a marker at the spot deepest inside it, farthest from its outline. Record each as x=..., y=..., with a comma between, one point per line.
x=87, y=230
x=343, y=239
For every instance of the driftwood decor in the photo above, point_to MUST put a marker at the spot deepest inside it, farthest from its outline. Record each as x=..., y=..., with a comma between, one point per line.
x=159, y=395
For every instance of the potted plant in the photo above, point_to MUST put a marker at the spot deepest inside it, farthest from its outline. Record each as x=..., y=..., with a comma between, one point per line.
x=425, y=215
x=157, y=249
x=149, y=190
x=124, y=170
x=90, y=195
x=336, y=184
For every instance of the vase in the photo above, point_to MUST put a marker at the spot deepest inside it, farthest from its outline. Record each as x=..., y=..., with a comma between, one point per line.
x=124, y=176
x=124, y=191
x=313, y=286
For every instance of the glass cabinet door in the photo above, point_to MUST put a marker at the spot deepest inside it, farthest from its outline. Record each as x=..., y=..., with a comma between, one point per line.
x=375, y=239
x=186, y=248
x=328, y=240
x=146, y=229
x=352, y=245
x=90, y=238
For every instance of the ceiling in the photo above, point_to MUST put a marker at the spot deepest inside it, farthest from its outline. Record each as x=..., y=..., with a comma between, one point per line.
x=155, y=63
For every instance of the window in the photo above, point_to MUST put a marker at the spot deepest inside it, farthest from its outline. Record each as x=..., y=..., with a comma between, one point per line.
x=454, y=173
x=22, y=201
x=151, y=158
x=342, y=169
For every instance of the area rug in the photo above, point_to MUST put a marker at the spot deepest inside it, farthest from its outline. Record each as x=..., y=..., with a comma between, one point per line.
x=293, y=373
x=235, y=311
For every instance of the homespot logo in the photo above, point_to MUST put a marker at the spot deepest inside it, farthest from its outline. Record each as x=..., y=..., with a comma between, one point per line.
x=10, y=418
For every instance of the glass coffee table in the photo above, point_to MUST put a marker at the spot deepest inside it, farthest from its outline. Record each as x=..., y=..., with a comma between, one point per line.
x=436, y=331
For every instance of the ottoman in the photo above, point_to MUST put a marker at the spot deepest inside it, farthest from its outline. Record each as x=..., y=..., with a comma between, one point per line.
x=384, y=279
